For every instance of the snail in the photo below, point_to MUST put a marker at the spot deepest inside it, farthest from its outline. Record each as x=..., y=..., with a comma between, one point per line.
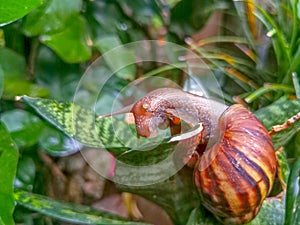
x=236, y=171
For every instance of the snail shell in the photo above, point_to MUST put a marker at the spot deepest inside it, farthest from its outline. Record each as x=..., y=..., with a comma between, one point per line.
x=237, y=169
x=235, y=175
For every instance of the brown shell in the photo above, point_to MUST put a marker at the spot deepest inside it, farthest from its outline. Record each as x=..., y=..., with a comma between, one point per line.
x=235, y=175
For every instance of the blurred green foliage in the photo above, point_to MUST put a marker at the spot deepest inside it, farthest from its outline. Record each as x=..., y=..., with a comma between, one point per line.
x=46, y=47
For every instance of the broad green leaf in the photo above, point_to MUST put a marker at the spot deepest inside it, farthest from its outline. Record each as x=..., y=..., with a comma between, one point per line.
x=72, y=43
x=16, y=9
x=152, y=173
x=82, y=124
x=14, y=76
x=13, y=88
x=56, y=143
x=12, y=63
x=51, y=17
x=278, y=113
x=26, y=173
x=271, y=212
x=119, y=57
x=176, y=195
x=156, y=171
x=49, y=74
x=68, y=212
x=8, y=162
x=292, y=215
x=25, y=128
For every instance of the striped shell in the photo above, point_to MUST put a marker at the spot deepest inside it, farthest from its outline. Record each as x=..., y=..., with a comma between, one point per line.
x=235, y=175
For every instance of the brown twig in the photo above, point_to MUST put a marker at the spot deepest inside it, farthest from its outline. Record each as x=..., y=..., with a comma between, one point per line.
x=285, y=125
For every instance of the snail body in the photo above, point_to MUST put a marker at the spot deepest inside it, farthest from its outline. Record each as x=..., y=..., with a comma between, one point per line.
x=168, y=106
x=236, y=172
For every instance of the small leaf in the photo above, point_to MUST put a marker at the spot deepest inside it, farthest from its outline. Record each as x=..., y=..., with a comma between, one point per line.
x=16, y=9
x=8, y=162
x=56, y=143
x=292, y=215
x=72, y=43
x=68, y=212
x=51, y=17
x=25, y=128
x=278, y=113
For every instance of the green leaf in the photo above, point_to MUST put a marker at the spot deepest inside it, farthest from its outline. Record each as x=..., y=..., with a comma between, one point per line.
x=61, y=83
x=284, y=166
x=199, y=216
x=12, y=63
x=143, y=11
x=26, y=172
x=14, y=73
x=51, y=17
x=16, y=9
x=56, y=143
x=8, y=162
x=24, y=87
x=271, y=212
x=176, y=195
x=1, y=81
x=25, y=128
x=120, y=60
x=278, y=113
x=68, y=212
x=292, y=215
x=82, y=124
x=188, y=17
x=72, y=43
x=152, y=173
